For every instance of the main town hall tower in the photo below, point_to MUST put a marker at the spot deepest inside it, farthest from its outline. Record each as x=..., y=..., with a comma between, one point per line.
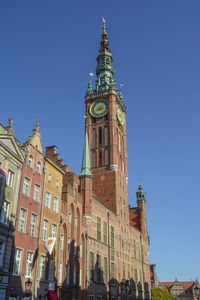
x=106, y=123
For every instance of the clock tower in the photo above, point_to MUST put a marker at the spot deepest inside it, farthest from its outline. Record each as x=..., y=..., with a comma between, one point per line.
x=106, y=126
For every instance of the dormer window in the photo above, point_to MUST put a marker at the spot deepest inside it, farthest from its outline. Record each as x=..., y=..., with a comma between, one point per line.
x=30, y=161
x=38, y=167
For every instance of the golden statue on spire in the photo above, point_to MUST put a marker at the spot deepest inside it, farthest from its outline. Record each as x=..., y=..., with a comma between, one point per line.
x=104, y=25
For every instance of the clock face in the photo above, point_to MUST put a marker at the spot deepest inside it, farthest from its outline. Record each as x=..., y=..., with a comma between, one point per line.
x=120, y=116
x=99, y=108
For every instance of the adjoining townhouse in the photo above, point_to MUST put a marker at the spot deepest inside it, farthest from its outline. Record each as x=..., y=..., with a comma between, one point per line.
x=49, y=269
x=11, y=162
x=72, y=252
x=29, y=218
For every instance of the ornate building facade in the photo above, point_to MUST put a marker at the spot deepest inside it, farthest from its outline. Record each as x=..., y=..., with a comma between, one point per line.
x=76, y=236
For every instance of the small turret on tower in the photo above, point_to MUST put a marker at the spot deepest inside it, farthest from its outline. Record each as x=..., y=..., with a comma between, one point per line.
x=141, y=200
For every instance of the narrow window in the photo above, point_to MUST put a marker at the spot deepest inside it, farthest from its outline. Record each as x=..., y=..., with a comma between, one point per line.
x=48, y=200
x=98, y=229
x=30, y=161
x=76, y=221
x=45, y=230
x=60, y=272
x=134, y=248
x=51, y=269
x=100, y=136
x=100, y=158
x=93, y=138
x=5, y=213
x=10, y=178
x=106, y=157
x=105, y=232
x=36, y=193
x=38, y=167
x=17, y=262
x=22, y=220
x=80, y=277
x=112, y=236
x=94, y=159
x=33, y=224
x=2, y=248
x=81, y=250
x=74, y=275
x=54, y=230
x=119, y=143
x=91, y=266
x=42, y=267
x=62, y=242
x=67, y=274
x=98, y=267
x=70, y=218
x=56, y=204
x=29, y=264
x=106, y=136
x=26, y=186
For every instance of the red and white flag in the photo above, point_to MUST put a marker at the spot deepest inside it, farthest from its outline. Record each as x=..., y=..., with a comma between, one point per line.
x=3, y=173
x=50, y=242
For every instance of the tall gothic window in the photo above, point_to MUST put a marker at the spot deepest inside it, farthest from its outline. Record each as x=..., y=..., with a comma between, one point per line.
x=100, y=136
x=94, y=159
x=93, y=138
x=100, y=158
x=119, y=144
x=106, y=136
x=106, y=157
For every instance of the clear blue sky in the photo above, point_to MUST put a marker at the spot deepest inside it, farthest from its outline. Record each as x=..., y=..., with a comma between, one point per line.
x=47, y=50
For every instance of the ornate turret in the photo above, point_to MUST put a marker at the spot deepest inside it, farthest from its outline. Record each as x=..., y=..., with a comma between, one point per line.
x=104, y=71
x=140, y=194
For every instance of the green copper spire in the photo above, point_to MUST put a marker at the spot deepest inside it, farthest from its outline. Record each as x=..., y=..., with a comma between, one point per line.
x=104, y=71
x=86, y=171
x=140, y=194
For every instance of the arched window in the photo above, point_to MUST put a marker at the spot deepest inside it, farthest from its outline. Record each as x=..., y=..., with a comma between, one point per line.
x=100, y=136
x=93, y=138
x=38, y=167
x=106, y=157
x=30, y=161
x=94, y=159
x=106, y=136
x=100, y=158
x=119, y=143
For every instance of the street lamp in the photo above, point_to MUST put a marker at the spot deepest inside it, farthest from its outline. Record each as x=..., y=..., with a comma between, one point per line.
x=197, y=291
x=28, y=285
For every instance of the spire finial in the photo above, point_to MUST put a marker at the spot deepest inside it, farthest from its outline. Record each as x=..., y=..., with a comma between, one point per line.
x=104, y=25
x=10, y=127
x=104, y=42
x=38, y=122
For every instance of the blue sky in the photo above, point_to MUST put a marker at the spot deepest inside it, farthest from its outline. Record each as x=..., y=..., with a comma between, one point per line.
x=47, y=50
